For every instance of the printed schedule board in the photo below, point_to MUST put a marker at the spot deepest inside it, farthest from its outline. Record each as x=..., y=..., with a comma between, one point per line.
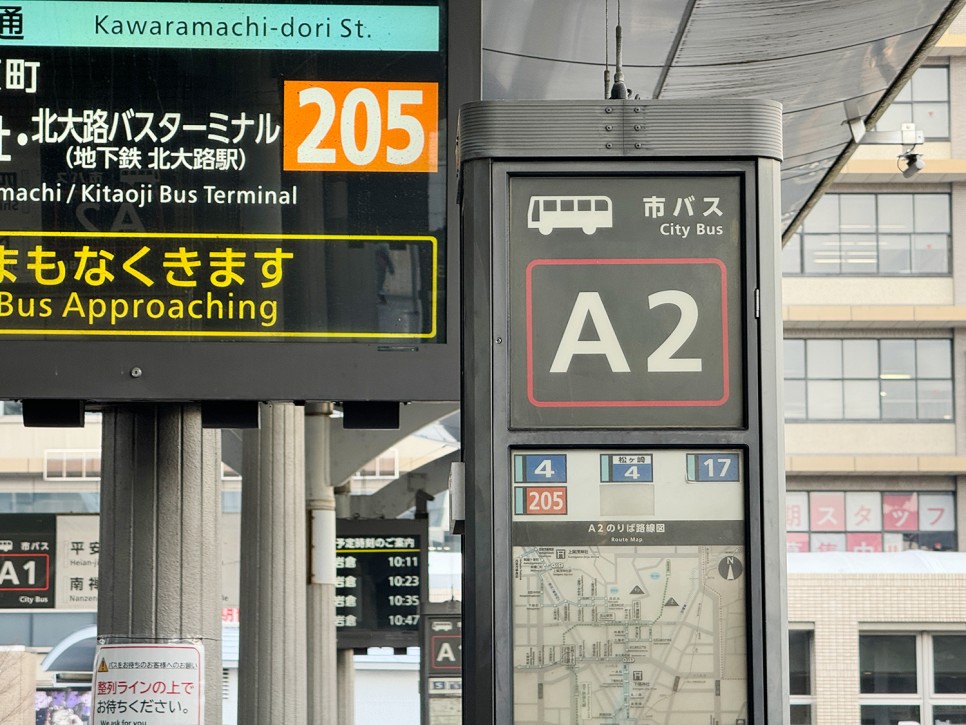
x=628, y=590
x=175, y=176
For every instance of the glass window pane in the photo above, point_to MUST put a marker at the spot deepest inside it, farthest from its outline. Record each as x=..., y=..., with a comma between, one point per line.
x=930, y=253
x=860, y=358
x=938, y=541
x=895, y=213
x=16, y=627
x=51, y=628
x=932, y=212
x=930, y=83
x=794, y=353
x=824, y=400
x=800, y=662
x=824, y=216
x=795, y=400
x=933, y=359
x=949, y=714
x=792, y=255
x=895, y=115
x=821, y=254
x=824, y=358
x=888, y=714
x=894, y=254
x=935, y=399
x=932, y=119
x=897, y=359
x=10, y=407
x=898, y=399
x=860, y=254
x=801, y=714
x=887, y=663
x=949, y=663
x=857, y=212
x=861, y=399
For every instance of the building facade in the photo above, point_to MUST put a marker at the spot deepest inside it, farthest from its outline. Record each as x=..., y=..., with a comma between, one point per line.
x=874, y=296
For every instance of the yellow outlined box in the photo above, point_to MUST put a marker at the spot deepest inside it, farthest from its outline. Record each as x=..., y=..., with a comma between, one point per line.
x=233, y=334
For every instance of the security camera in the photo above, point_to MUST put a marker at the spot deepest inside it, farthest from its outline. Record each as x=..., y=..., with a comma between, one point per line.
x=914, y=164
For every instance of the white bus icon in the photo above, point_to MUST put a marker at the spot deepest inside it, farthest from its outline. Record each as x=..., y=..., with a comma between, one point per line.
x=588, y=213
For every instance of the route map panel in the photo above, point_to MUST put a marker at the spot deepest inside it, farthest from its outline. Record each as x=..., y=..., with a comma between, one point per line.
x=640, y=616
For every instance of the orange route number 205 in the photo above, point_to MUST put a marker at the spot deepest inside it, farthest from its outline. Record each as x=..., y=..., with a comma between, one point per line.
x=360, y=126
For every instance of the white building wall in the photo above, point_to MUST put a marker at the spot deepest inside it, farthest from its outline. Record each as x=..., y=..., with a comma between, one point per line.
x=387, y=690
x=839, y=607
x=922, y=439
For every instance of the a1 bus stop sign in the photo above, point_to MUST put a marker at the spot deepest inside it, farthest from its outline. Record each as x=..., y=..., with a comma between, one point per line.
x=622, y=442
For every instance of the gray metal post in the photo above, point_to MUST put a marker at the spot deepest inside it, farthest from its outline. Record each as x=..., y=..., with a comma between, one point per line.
x=272, y=684
x=321, y=632
x=160, y=563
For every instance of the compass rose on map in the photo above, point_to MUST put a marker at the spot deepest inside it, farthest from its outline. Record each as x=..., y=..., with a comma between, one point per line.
x=730, y=568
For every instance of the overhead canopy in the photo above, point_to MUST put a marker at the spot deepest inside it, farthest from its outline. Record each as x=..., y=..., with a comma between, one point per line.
x=74, y=653
x=826, y=61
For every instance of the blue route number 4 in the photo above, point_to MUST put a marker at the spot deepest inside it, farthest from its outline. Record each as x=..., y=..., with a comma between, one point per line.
x=544, y=468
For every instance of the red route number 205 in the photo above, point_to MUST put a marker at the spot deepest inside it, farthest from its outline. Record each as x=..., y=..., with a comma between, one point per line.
x=547, y=500
x=360, y=126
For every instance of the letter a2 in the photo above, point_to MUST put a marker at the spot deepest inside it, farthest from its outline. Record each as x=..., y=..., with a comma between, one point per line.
x=607, y=344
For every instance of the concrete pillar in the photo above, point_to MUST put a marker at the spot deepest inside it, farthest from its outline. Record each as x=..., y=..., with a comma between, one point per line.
x=160, y=563
x=345, y=665
x=347, y=687
x=272, y=655
x=321, y=631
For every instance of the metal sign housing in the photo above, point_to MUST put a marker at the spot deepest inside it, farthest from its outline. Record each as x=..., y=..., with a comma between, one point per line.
x=623, y=453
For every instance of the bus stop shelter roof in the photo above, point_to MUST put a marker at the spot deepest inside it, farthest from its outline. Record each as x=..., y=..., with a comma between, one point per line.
x=829, y=62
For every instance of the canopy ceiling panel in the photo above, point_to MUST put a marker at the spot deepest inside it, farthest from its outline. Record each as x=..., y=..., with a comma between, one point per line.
x=826, y=61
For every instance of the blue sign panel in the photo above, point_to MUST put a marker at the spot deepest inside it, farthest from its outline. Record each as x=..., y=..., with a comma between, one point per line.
x=632, y=469
x=706, y=467
x=540, y=468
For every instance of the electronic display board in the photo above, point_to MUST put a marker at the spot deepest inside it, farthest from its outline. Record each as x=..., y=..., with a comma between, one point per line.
x=381, y=581
x=175, y=176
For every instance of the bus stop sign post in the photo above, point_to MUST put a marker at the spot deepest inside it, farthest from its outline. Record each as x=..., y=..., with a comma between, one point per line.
x=621, y=413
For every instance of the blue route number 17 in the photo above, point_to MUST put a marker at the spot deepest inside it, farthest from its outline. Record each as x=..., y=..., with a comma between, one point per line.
x=717, y=467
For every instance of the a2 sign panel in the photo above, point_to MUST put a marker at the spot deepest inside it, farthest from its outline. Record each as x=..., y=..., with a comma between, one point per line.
x=627, y=301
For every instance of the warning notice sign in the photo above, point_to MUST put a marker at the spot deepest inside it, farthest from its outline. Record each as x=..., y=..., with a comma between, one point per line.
x=149, y=684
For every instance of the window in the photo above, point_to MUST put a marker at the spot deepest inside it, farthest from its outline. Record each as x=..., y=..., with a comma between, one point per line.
x=10, y=407
x=62, y=464
x=386, y=466
x=870, y=521
x=924, y=101
x=868, y=379
x=872, y=234
x=917, y=677
x=800, y=676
